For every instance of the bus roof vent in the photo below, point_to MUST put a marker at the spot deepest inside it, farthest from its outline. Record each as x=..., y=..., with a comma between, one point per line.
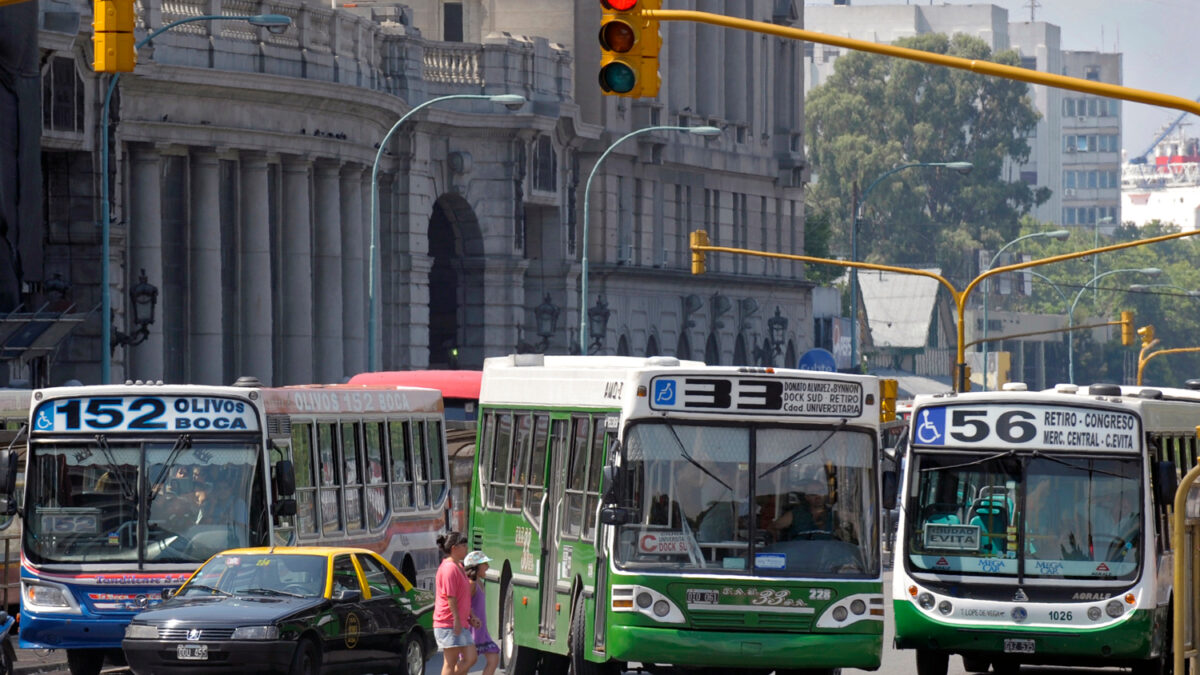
x=1150, y=393
x=247, y=381
x=663, y=361
x=1104, y=390
x=528, y=359
x=1192, y=384
x=1065, y=388
x=1014, y=386
x=279, y=426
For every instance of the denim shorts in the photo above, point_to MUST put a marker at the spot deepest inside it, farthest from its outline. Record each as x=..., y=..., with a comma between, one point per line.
x=446, y=639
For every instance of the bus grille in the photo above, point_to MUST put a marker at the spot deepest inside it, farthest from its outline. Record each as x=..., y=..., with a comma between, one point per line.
x=205, y=633
x=739, y=621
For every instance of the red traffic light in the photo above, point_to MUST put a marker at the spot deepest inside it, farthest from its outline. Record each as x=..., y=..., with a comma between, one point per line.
x=617, y=36
x=619, y=5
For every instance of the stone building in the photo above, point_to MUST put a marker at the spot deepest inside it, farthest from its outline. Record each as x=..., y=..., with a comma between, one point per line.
x=241, y=169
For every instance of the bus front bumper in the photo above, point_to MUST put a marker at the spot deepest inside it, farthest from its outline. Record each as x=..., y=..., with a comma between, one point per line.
x=71, y=631
x=744, y=649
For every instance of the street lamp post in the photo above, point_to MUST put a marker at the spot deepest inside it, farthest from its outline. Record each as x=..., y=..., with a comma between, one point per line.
x=1143, y=288
x=1059, y=235
x=962, y=167
x=1148, y=271
x=705, y=131
x=272, y=22
x=511, y=101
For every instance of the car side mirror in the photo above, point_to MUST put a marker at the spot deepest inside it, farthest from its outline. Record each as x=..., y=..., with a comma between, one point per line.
x=347, y=595
x=285, y=478
x=284, y=507
x=1166, y=482
x=890, y=483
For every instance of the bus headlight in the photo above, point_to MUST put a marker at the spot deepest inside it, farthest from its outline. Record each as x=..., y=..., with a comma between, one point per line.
x=1094, y=613
x=255, y=633
x=662, y=608
x=839, y=613
x=140, y=631
x=1114, y=608
x=45, y=596
x=644, y=600
x=945, y=607
x=925, y=600
x=858, y=607
x=647, y=602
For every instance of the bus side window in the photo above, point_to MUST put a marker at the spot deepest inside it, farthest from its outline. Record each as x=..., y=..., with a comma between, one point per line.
x=595, y=468
x=572, y=523
x=518, y=473
x=437, y=461
x=376, y=492
x=401, y=473
x=537, y=469
x=420, y=457
x=306, y=486
x=352, y=475
x=487, y=440
x=500, y=459
x=331, y=498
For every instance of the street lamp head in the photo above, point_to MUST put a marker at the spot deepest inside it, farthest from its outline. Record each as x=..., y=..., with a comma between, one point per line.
x=963, y=168
x=706, y=131
x=1138, y=288
x=1057, y=235
x=275, y=23
x=510, y=101
x=1151, y=271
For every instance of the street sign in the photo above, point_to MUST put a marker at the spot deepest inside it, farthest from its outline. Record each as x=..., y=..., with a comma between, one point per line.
x=818, y=359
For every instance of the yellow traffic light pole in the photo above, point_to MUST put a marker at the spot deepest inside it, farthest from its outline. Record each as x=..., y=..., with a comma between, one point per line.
x=700, y=247
x=975, y=66
x=1145, y=355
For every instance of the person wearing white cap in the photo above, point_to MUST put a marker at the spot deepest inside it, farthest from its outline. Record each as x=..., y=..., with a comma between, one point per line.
x=476, y=565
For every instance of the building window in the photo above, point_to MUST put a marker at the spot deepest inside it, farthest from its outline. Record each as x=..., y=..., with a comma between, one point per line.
x=1091, y=72
x=62, y=96
x=452, y=22
x=1029, y=62
x=1029, y=177
x=545, y=165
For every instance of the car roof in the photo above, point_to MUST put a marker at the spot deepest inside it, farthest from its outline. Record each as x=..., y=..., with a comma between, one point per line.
x=297, y=550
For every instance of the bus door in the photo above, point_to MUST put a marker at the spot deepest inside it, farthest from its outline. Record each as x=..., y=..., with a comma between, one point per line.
x=556, y=482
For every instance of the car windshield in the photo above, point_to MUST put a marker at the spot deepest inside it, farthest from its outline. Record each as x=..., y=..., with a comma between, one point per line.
x=119, y=501
x=263, y=574
x=1079, y=517
x=695, y=486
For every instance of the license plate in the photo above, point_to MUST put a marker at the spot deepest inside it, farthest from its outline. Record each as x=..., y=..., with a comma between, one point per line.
x=1012, y=646
x=191, y=652
x=701, y=597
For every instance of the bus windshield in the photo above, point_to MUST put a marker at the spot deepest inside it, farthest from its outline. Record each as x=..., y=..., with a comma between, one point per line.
x=1081, y=517
x=694, y=486
x=86, y=500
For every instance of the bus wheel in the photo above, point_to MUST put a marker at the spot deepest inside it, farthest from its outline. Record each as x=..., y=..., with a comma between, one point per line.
x=85, y=661
x=930, y=662
x=975, y=664
x=516, y=660
x=578, y=642
x=1159, y=666
x=1006, y=667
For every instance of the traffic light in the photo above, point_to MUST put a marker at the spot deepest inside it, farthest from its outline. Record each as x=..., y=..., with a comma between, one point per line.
x=965, y=378
x=112, y=36
x=888, y=391
x=1126, y=328
x=699, y=238
x=1147, y=335
x=629, y=44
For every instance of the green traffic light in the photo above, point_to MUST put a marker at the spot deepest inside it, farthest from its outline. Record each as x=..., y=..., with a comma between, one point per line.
x=618, y=78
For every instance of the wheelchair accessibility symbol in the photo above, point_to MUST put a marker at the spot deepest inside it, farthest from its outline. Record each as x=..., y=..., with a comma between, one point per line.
x=44, y=422
x=664, y=392
x=931, y=429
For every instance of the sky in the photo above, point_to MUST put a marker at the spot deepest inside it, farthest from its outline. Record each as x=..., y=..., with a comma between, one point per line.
x=1158, y=39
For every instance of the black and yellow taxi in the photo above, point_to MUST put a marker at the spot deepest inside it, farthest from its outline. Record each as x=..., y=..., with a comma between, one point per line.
x=296, y=610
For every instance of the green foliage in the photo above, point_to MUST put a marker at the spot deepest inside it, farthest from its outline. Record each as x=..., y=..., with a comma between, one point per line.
x=877, y=113
x=818, y=231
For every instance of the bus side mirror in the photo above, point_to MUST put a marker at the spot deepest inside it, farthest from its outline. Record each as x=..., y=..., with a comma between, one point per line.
x=284, y=507
x=8, y=472
x=611, y=476
x=1166, y=482
x=617, y=515
x=889, y=489
x=285, y=478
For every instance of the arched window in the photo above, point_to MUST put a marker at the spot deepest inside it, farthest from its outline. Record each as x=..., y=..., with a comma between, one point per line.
x=652, y=346
x=739, y=352
x=712, y=351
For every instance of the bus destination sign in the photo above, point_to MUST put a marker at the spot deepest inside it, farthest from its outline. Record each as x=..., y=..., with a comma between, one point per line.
x=1040, y=426
x=144, y=414
x=813, y=397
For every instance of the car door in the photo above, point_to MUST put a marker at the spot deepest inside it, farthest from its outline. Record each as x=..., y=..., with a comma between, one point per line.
x=389, y=610
x=349, y=623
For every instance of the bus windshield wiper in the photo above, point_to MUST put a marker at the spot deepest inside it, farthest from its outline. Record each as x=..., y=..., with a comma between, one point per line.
x=182, y=443
x=128, y=492
x=805, y=451
x=692, y=461
x=1082, y=469
x=981, y=460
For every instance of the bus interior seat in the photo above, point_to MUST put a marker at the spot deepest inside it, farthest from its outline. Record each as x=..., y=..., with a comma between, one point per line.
x=990, y=514
x=941, y=513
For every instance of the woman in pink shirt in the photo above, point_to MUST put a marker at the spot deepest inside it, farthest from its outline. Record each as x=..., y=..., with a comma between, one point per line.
x=452, y=618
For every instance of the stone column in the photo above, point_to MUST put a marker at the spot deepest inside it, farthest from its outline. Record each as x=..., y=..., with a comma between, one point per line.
x=327, y=271
x=205, y=313
x=254, y=272
x=145, y=253
x=354, y=260
x=297, y=273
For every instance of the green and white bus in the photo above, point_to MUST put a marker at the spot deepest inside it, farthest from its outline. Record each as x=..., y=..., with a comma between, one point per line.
x=1034, y=527
x=665, y=512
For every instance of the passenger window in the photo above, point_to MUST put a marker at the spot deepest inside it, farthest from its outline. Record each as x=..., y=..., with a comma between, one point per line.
x=437, y=461
x=420, y=475
x=345, y=577
x=572, y=523
x=401, y=473
x=519, y=472
x=353, y=476
x=378, y=579
x=537, y=469
x=331, y=502
x=500, y=458
x=377, y=507
x=306, y=487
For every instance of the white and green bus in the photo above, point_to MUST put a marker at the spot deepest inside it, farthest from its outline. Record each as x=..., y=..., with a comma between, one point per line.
x=665, y=512
x=1034, y=527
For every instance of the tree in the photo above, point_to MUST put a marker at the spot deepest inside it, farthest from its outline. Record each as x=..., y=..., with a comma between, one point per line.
x=817, y=235
x=877, y=112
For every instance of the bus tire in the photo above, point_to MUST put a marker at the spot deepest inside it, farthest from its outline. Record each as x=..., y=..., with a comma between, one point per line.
x=1006, y=667
x=975, y=664
x=515, y=660
x=307, y=659
x=85, y=661
x=577, y=639
x=930, y=662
